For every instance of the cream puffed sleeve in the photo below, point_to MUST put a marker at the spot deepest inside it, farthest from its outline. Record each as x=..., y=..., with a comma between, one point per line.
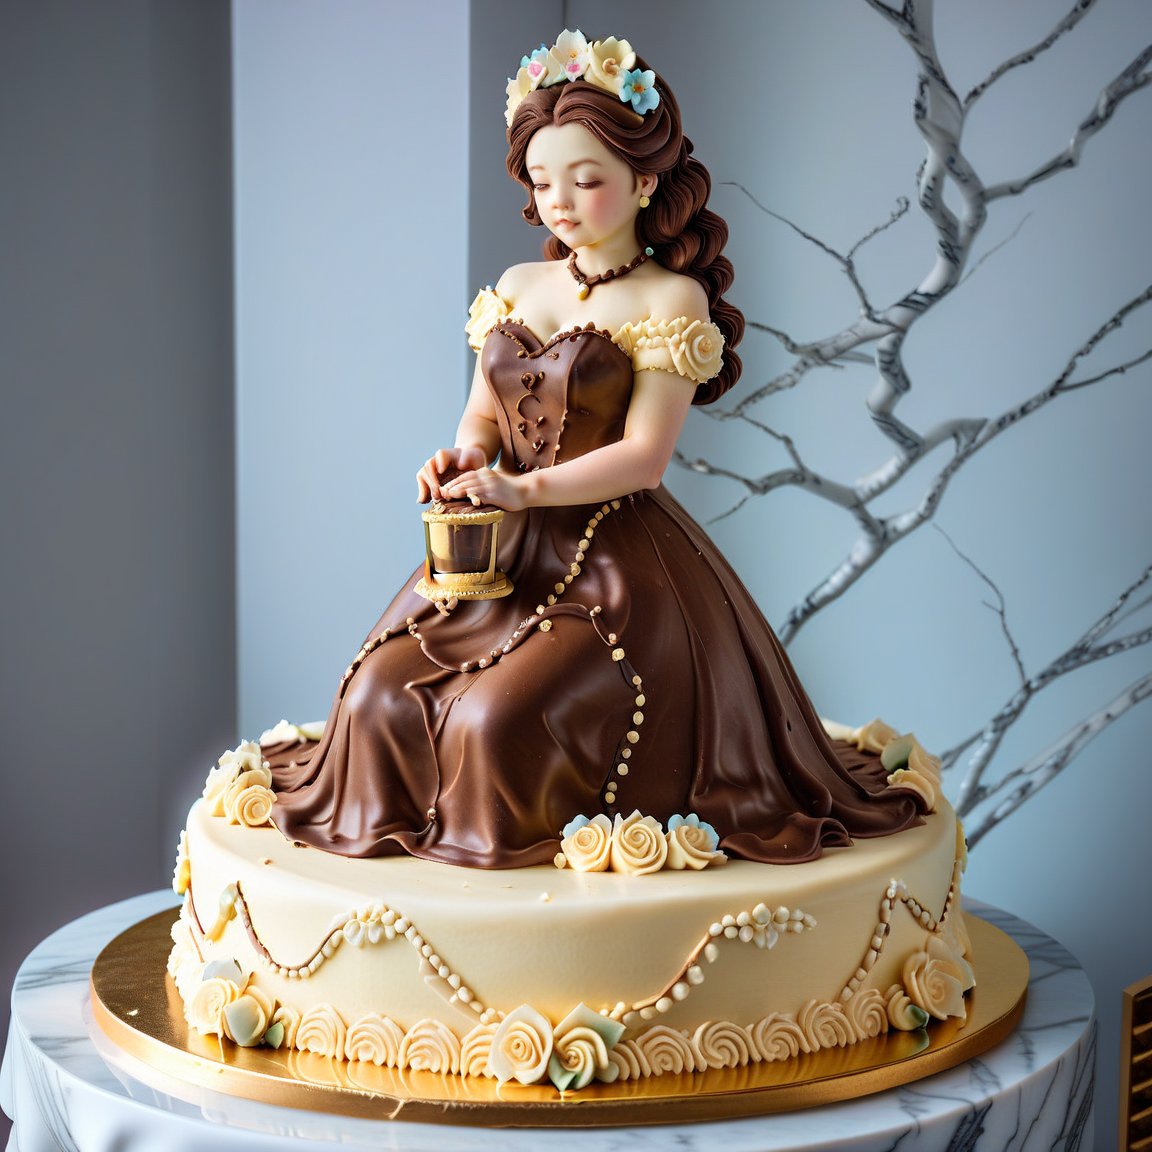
x=485, y=312
x=691, y=348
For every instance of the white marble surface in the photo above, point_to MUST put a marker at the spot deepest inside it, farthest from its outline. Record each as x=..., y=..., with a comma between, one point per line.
x=1033, y=1092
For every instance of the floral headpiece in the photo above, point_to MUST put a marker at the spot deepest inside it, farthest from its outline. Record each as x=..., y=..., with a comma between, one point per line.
x=607, y=64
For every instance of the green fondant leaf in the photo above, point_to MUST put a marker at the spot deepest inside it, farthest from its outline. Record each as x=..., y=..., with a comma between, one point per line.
x=583, y=1017
x=558, y=1074
x=245, y=1021
x=896, y=752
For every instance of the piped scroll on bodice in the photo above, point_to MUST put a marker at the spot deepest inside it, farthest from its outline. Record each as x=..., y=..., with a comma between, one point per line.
x=557, y=400
x=560, y=398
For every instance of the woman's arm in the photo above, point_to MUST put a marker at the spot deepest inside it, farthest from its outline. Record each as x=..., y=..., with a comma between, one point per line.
x=656, y=414
x=477, y=443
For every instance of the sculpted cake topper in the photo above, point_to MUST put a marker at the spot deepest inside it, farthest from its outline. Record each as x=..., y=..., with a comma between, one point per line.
x=589, y=689
x=622, y=673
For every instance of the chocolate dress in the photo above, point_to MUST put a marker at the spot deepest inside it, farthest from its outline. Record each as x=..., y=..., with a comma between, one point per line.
x=629, y=669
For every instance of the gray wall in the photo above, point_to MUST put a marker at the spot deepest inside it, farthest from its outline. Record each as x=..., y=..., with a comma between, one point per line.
x=351, y=238
x=116, y=485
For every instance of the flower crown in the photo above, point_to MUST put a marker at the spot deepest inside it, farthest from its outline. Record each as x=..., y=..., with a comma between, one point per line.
x=606, y=64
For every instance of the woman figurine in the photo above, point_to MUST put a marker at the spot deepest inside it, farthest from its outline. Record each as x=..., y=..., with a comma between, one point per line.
x=629, y=668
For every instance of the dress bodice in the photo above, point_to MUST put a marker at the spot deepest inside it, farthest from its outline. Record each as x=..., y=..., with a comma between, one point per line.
x=556, y=400
x=559, y=398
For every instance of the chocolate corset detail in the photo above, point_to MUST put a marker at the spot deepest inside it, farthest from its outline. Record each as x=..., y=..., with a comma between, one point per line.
x=557, y=400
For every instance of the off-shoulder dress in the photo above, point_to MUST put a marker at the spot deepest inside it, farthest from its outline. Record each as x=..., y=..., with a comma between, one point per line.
x=629, y=668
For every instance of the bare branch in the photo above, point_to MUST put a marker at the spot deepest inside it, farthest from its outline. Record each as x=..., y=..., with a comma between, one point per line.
x=897, y=213
x=780, y=335
x=1030, y=777
x=1114, y=322
x=996, y=248
x=847, y=262
x=1132, y=79
x=899, y=525
x=825, y=248
x=1000, y=608
x=1079, y=11
x=901, y=16
x=1088, y=649
x=1119, y=611
x=1117, y=370
x=914, y=22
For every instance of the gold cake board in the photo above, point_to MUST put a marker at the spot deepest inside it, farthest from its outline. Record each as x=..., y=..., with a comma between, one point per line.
x=137, y=1006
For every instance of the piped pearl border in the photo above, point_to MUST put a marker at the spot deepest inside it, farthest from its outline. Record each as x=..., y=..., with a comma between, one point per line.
x=895, y=894
x=760, y=926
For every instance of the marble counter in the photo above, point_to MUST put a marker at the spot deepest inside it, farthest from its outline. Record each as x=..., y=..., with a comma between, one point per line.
x=1032, y=1092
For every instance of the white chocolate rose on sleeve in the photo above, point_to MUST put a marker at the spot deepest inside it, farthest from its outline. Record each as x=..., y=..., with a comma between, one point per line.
x=698, y=351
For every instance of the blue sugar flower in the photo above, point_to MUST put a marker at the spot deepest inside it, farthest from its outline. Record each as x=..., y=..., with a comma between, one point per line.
x=694, y=821
x=639, y=90
x=573, y=826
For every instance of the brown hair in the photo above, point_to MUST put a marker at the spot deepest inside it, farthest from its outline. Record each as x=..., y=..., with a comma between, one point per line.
x=683, y=233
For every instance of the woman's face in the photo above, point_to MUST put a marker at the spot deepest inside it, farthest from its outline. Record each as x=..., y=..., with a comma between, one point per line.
x=585, y=194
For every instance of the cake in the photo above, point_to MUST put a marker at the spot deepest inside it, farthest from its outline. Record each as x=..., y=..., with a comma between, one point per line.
x=557, y=975
x=572, y=816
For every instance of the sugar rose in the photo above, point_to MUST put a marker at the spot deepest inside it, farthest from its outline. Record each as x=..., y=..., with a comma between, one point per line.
x=579, y=1054
x=638, y=845
x=692, y=843
x=875, y=736
x=902, y=1013
x=698, y=351
x=521, y=1047
x=587, y=843
x=608, y=60
x=924, y=762
x=205, y=1010
x=916, y=782
x=250, y=805
x=936, y=979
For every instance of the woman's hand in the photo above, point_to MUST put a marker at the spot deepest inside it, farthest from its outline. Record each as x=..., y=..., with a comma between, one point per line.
x=486, y=486
x=447, y=464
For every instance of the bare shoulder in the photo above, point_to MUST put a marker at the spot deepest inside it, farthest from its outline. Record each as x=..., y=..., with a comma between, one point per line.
x=521, y=279
x=671, y=295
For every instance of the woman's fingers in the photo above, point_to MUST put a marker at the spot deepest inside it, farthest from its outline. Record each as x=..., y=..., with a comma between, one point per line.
x=429, y=479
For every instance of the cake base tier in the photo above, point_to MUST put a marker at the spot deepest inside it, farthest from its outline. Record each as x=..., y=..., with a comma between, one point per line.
x=137, y=1006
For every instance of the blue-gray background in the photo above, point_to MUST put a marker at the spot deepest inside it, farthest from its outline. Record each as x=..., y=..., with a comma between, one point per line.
x=237, y=245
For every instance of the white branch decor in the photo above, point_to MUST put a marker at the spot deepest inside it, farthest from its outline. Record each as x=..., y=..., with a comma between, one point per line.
x=876, y=336
x=983, y=804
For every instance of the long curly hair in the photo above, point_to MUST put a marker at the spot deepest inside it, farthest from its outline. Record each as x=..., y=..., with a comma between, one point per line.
x=684, y=234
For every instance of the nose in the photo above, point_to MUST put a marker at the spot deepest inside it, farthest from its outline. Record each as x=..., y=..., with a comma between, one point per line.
x=561, y=196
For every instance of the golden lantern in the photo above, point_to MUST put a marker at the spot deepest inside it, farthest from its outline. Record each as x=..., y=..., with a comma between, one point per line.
x=460, y=553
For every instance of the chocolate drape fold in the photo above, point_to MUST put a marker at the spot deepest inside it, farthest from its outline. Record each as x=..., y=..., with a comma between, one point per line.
x=629, y=669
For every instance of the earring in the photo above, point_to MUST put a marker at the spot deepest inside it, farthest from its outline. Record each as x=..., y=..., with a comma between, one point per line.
x=644, y=201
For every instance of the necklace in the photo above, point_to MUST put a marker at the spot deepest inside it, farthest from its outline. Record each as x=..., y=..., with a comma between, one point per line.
x=585, y=284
